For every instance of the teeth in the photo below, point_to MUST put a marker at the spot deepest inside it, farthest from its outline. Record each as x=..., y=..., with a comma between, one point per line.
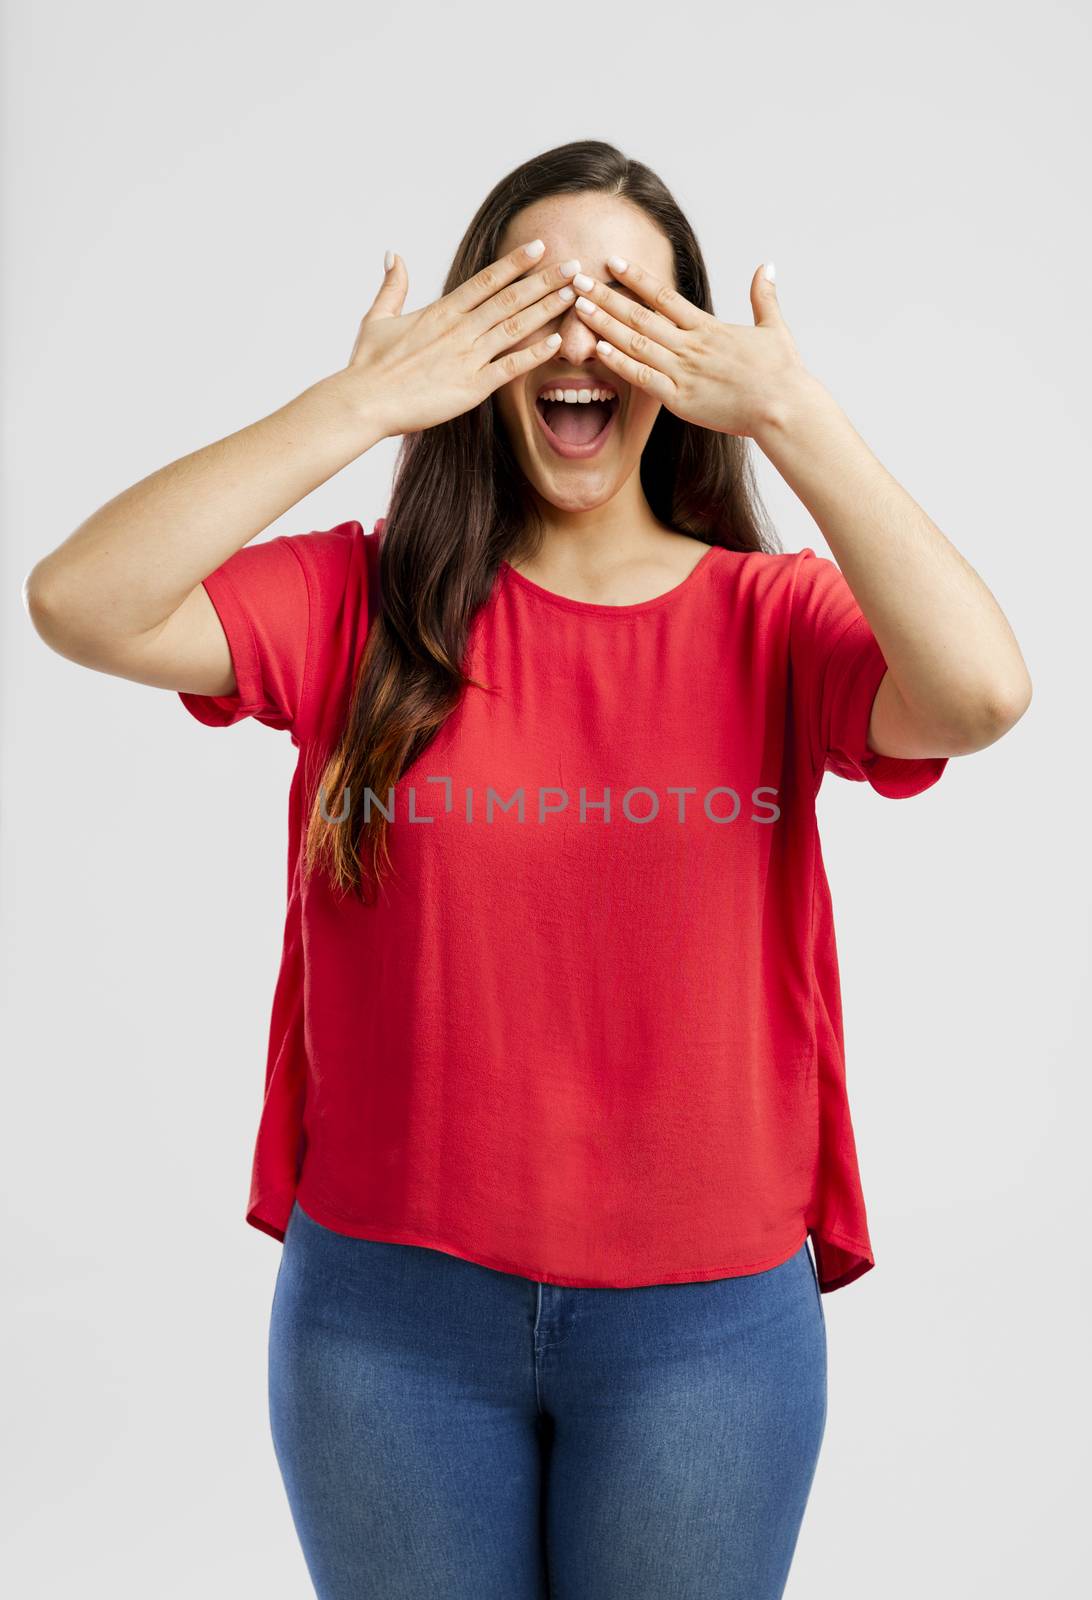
x=577, y=396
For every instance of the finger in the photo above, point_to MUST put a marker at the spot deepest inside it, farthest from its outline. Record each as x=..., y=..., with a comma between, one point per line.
x=657, y=294
x=516, y=327
x=391, y=296
x=631, y=340
x=497, y=275
x=503, y=308
x=517, y=362
x=764, y=296
x=637, y=373
x=616, y=310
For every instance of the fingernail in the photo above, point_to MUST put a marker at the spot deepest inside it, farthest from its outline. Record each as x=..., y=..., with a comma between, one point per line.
x=553, y=340
x=534, y=249
x=582, y=281
x=565, y=293
x=567, y=268
x=771, y=272
x=388, y=260
x=586, y=305
x=617, y=263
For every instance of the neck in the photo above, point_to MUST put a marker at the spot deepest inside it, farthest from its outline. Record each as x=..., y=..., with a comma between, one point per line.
x=578, y=541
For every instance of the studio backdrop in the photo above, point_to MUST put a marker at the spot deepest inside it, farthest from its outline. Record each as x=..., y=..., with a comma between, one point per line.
x=197, y=203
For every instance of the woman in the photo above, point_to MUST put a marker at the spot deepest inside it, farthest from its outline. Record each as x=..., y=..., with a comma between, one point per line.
x=555, y=1096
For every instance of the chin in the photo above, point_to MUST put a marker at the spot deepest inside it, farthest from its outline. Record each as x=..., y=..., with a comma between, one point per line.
x=583, y=485
x=585, y=495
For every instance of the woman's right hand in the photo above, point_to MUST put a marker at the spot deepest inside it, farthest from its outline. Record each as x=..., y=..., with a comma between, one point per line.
x=420, y=368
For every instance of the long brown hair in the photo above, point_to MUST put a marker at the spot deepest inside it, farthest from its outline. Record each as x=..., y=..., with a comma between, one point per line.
x=460, y=504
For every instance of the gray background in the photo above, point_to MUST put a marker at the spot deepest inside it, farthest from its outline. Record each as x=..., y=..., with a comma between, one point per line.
x=196, y=205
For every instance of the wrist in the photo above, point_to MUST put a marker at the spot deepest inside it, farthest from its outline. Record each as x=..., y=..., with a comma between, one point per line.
x=354, y=399
x=801, y=400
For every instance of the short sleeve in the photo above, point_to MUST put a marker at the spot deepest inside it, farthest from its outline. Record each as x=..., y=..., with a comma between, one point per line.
x=261, y=597
x=295, y=610
x=837, y=667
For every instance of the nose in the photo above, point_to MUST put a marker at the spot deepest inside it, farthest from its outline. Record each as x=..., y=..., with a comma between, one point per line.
x=577, y=339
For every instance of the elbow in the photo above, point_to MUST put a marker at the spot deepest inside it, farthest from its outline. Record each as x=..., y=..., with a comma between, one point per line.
x=40, y=604
x=37, y=601
x=1009, y=704
x=997, y=712
x=56, y=620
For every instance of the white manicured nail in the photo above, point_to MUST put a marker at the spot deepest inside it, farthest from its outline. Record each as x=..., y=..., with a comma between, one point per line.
x=534, y=249
x=771, y=272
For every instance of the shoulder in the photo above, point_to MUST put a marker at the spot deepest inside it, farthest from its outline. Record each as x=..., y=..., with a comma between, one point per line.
x=795, y=584
x=329, y=556
x=341, y=569
x=763, y=580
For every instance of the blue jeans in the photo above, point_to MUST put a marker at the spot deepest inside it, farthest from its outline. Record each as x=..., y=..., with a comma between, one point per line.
x=446, y=1431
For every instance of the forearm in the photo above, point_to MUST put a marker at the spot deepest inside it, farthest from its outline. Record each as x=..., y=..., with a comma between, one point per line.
x=133, y=562
x=948, y=645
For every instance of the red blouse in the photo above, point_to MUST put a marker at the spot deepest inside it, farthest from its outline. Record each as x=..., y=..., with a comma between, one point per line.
x=591, y=1033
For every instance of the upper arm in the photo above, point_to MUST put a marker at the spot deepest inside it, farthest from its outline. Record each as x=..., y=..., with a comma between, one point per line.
x=189, y=651
x=236, y=646
x=893, y=730
x=273, y=633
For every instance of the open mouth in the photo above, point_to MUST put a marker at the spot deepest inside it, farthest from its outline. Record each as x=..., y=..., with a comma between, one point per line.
x=576, y=429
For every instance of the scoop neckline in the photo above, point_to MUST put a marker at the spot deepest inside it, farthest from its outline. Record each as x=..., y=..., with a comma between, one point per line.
x=598, y=608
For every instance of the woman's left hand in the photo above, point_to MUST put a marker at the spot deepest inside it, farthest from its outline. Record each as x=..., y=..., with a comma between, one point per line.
x=728, y=378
